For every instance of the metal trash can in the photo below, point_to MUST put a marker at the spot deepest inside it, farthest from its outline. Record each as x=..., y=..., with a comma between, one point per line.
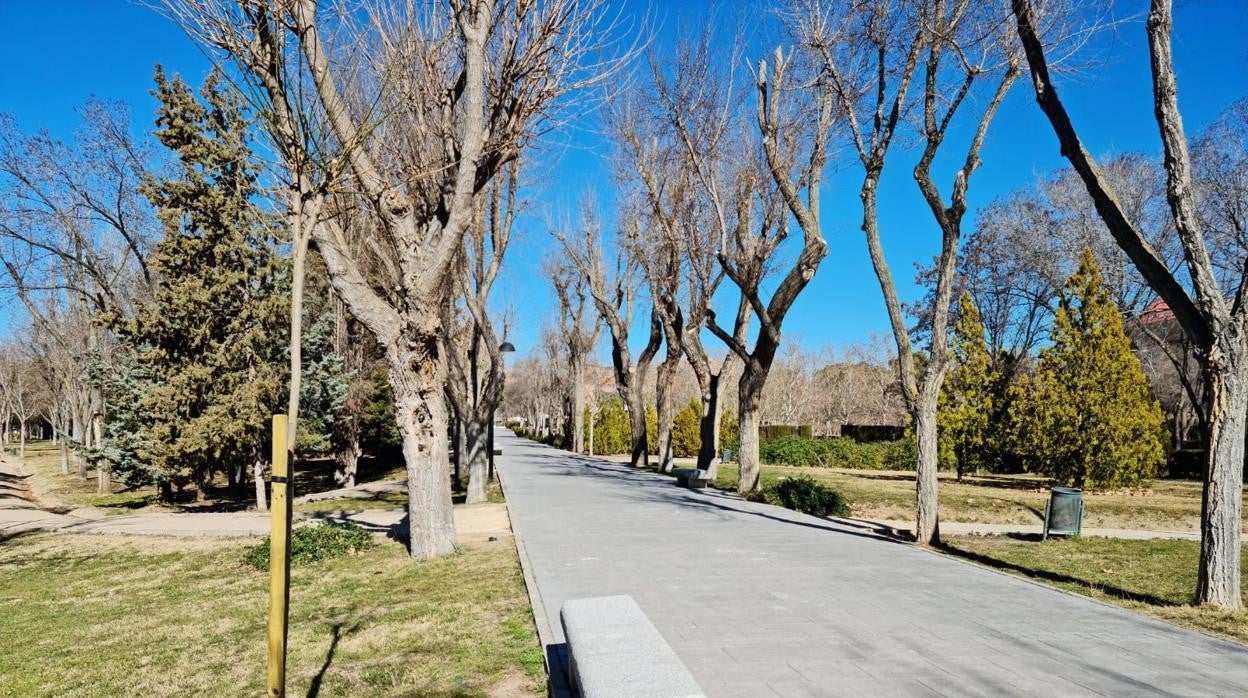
x=1063, y=515
x=726, y=455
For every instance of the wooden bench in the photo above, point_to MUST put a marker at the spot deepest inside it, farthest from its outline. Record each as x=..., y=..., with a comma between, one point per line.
x=615, y=652
x=692, y=478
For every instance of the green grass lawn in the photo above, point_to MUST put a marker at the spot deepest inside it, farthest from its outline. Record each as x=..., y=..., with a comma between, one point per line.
x=103, y=615
x=1005, y=499
x=1157, y=577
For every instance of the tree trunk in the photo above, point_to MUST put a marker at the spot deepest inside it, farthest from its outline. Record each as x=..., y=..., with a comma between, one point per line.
x=663, y=384
x=1222, y=504
x=347, y=462
x=231, y=478
x=927, y=528
x=21, y=453
x=592, y=415
x=477, y=436
x=578, y=406
x=708, y=426
x=103, y=476
x=747, y=457
x=257, y=473
x=80, y=437
x=640, y=457
x=418, y=377
x=64, y=452
x=298, y=262
x=457, y=479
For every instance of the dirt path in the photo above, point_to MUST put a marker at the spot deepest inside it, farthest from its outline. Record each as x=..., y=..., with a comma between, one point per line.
x=20, y=512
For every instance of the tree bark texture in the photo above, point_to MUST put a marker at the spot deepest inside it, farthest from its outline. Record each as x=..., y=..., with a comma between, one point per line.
x=1218, y=582
x=927, y=527
x=417, y=376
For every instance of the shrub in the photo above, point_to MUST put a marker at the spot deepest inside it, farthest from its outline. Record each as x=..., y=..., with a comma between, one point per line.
x=806, y=495
x=840, y=452
x=686, y=430
x=315, y=543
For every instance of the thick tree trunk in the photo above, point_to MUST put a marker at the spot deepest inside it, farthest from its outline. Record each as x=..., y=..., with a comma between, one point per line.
x=476, y=435
x=927, y=528
x=749, y=404
x=418, y=376
x=708, y=426
x=257, y=473
x=347, y=462
x=1222, y=504
x=640, y=457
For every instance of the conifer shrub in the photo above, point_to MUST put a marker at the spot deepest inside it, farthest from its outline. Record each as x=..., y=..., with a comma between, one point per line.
x=1087, y=417
x=315, y=543
x=806, y=495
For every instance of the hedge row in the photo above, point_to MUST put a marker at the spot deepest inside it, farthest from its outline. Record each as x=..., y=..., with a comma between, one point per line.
x=839, y=453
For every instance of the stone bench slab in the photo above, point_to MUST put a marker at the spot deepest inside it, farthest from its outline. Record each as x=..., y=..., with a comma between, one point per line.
x=615, y=652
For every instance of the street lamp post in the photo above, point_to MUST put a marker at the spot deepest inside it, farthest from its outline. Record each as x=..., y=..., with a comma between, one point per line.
x=504, y=348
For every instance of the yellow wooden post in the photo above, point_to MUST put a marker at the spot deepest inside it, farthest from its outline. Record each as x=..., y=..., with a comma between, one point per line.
x=279, y=560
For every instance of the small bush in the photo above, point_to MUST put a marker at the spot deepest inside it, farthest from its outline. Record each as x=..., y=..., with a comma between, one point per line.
x=315, y=543
x=806, y=495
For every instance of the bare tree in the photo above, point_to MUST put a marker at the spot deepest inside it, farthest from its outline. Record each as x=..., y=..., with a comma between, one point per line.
x=869, y=55
x=476, y=375
x=579, y=327
x=75, y=231
x=615, y=297
x=1214, y=316
x=424, y=107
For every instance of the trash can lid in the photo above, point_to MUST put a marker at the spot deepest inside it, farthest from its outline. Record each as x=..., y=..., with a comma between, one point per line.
x=1065, y=490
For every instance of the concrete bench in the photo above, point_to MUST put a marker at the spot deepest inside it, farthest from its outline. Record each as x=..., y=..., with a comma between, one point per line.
x=614, y=652
x=692, y=478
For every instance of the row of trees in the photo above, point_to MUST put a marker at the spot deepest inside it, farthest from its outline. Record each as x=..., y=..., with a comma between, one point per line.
x=396, y=134
x=713, y=180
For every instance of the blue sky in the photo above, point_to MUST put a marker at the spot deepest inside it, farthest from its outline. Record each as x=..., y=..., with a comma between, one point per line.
x=57, y=54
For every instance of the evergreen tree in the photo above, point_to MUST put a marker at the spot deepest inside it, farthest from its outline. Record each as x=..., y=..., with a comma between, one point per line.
x=323, y=390
x=967, y=397
x=208, y=347
x=1087, y=417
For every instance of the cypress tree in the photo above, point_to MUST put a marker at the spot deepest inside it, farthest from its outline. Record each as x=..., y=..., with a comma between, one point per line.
x=967, y=398
x=1087, y=417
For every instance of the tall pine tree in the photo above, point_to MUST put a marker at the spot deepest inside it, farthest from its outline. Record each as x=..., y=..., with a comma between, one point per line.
x=209, y=347
x=966, y=403
x=1087, y=417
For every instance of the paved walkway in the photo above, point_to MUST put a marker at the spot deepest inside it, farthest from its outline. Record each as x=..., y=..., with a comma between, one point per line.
x=760, y=601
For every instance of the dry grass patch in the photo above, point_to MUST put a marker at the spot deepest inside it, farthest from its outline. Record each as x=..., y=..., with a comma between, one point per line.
x=106, y=615
x=1169, y=505
x=1157, y=577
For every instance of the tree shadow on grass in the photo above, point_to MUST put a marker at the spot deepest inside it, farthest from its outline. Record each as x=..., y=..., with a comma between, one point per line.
x=314, y=689
x=1051, y=576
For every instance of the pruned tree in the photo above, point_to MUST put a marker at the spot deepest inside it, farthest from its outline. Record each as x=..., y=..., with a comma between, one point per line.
x=579, y=327
x=1213, y=314
x=875, y=58
x=423, y=107
x=476, y=364
x=616, y=298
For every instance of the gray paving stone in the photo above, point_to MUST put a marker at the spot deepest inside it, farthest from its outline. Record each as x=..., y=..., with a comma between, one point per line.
x=761, y=601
